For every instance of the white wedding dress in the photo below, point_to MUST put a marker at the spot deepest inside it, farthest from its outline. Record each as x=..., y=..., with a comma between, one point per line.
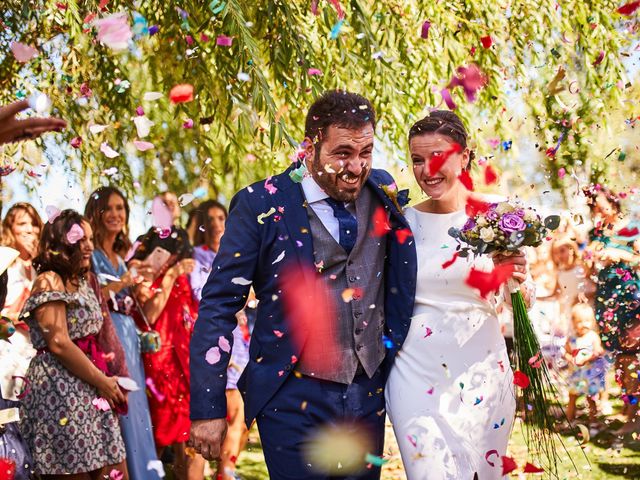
x=450, y=393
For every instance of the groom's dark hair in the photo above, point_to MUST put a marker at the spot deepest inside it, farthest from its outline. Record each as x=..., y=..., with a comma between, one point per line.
x=340, y=108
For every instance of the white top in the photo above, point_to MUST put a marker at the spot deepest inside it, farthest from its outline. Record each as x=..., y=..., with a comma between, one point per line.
x=315, y=196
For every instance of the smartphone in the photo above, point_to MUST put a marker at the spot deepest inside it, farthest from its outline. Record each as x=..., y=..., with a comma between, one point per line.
x=157, y=258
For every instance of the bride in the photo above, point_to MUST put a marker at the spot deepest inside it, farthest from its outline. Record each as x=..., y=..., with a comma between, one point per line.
x=450, y=393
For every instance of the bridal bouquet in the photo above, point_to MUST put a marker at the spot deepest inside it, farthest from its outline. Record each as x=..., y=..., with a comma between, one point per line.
x=502, y=228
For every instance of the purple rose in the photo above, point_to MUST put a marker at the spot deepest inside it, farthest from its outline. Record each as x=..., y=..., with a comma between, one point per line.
x=511, y=222
x=520, y=212
x=469, y=225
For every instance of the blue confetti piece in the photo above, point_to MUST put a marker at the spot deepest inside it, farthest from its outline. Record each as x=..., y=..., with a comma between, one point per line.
x=507, y=145
x=387, y=342
x=335, y=31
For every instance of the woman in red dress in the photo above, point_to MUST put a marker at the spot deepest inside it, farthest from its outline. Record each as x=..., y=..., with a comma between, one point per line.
x=169, y=308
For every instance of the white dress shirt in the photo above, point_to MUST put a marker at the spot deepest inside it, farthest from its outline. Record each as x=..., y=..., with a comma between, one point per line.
x=316, y=198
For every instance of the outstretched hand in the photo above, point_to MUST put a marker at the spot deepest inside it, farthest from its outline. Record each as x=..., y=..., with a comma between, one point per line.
x=14, y=130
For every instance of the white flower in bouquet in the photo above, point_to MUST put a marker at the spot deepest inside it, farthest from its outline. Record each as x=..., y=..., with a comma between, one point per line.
x=487, y=234
x=504, y=207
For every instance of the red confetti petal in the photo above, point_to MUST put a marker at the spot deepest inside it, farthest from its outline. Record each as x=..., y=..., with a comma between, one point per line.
x=531, y=468
x=437, y=161
x=488, y=282
x=425, y=29
x=448, y=263
x=381, y=225
x=403, y=234
x=598, y=60
x=466, y=180
x=628, y=8
x=486, y=41
x=627, y=232
x=7, y=469
x=520, y=379
x=488, y=454
x=181, y=93
x=475, y=207
x=490, y=175
x=508, y=465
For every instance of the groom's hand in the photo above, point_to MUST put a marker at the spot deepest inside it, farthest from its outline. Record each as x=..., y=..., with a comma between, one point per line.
x=207, y=436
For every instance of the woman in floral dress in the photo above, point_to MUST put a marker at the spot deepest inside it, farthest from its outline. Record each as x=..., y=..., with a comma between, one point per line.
x=67, y=413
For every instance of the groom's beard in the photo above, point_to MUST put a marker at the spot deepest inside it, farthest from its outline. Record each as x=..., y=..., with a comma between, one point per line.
x=330, y=181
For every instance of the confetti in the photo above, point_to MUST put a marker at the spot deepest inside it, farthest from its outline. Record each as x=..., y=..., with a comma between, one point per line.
x=508, y=465
x=224, y=41
x=157, y=466
x=161, y=216
x=262, y=216
x=450, y=262
x=466, y=180
x=128, y=384
x=52, y=213
x=403, y=234
x=486, y=41
x=95, y=129
x=314, y=71
x=424, y=33
x=279, y=258
x=212, y=356
x=629, y=8
x=438, y=159
x=75, y=234
x=224, y=344
x=530, y=468
x=143, y=146
x=182, y=93
x=240, y=281
x=381, y=225
x=76, y=142
x=520, y=379
x=151, y=96
x=476, y=206
x=490, y=176
x=143, y=125
x=489, y=454
x=108, y=151
x=488, y=282
x=270, y=187
x=22, y=52
x=114, y=31
x=101, y=404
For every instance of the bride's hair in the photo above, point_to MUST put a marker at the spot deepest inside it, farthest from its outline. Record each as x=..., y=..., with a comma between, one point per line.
x=445, y=123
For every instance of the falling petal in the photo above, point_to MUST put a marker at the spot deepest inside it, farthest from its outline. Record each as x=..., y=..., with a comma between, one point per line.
x=108, y=151
x=22, y=52
x=143, y=146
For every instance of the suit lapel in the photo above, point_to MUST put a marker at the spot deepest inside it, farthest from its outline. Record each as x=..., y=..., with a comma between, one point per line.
x=289, y=195
x=376, y=184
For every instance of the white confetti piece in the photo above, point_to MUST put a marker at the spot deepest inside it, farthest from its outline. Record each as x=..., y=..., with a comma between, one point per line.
x=108, y=151
x=157, y=466
x=151, y=96
x=143, y=125
x=186, y=199
x=97, y=128
x=240, y=281
x=279, y=259
x=128, y=384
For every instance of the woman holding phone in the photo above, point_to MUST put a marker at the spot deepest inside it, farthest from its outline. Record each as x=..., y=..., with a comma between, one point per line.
x=169, y=308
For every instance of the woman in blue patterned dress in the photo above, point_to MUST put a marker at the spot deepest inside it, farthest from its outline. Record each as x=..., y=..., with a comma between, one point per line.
x=67, y=412
x=108, y=213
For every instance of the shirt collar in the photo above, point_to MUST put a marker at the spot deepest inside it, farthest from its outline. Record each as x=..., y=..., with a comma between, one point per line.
x=312, y=191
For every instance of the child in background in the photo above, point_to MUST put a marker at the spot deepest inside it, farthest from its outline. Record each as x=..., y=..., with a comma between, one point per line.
x=585, y=355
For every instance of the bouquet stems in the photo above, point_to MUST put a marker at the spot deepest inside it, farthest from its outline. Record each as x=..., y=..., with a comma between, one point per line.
x=539, y=431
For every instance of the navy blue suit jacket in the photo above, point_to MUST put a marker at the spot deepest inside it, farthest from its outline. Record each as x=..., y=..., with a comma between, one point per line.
x=247, y=254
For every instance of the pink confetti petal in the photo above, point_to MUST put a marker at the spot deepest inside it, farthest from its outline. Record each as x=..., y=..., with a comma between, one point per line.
x=278, y=333
x=52, y=213
x=114, y=31
x=23, y=52
x=76, y=142
x=425, y=29
x=224, y=41
x=75, y=234
x=116, y=474
x=143, y=146
x=161, y=215
x=212, y=356
x=269, y=187
x=101, y=404
x=224, y=344
x=446, y=96
x=314, y=71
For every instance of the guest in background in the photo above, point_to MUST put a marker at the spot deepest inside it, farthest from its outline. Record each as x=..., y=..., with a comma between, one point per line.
x=212, y=215
x=169, y=308
x=13, y=449
x=67, y=417
x=588, y=366
x=21, y=229
x=108, y=213
x=616, y=300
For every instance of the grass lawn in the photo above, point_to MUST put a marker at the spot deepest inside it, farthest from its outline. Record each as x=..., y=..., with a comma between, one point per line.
x=605, y=455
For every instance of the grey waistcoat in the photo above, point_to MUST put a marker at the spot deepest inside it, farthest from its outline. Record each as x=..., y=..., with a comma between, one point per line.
x=359, y=322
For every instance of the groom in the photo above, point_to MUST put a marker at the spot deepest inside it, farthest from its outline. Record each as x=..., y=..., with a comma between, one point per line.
x=331, y=247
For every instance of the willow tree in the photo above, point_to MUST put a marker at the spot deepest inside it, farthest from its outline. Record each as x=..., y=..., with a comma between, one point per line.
x=256, y=66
